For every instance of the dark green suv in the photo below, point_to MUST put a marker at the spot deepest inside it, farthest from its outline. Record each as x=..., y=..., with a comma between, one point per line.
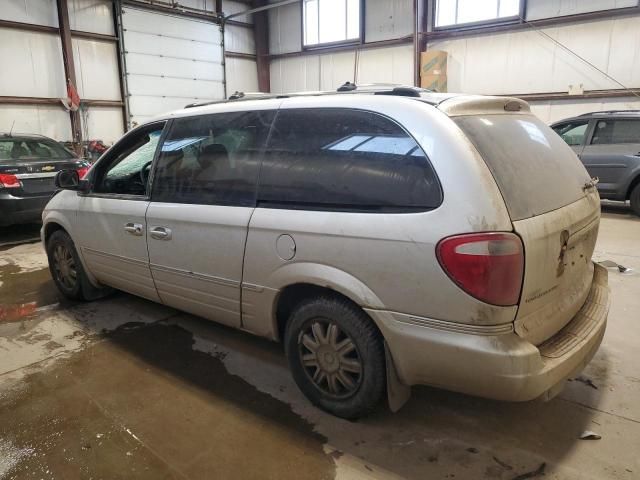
x=608, y=144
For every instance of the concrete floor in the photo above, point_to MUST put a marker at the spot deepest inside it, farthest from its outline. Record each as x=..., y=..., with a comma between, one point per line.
x=124, y=388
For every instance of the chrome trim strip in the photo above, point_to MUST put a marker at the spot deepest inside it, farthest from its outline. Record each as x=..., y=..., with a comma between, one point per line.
x=487, y=330
x=26, y=176
x=193, y=275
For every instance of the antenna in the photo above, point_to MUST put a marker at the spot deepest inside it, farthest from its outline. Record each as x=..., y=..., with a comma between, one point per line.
x=11, y=131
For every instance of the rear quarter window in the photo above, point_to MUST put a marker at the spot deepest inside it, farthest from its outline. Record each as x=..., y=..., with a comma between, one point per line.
x=608, y=132
x=343, y=159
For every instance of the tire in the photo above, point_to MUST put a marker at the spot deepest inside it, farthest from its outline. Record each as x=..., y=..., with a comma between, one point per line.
x=635, y=199
x=67, y=271
x=336, y=356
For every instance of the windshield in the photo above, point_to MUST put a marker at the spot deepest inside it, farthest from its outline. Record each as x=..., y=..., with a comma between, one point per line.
x=32, y=149
x=535, y=170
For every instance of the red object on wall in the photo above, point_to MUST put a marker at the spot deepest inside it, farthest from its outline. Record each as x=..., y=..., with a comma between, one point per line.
x=74, y=98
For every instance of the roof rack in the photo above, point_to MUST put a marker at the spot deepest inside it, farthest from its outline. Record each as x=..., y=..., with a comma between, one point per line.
x=348, y=88
x=609, y=112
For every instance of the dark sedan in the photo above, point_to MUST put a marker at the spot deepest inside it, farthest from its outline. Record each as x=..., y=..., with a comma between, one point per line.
x=28, y=166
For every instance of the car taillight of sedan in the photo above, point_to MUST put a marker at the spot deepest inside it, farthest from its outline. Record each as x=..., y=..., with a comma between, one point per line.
x=9, y=181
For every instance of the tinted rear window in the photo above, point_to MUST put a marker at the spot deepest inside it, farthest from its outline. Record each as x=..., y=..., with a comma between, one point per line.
x=346, y=160
x=534, y=168
x=24, y=149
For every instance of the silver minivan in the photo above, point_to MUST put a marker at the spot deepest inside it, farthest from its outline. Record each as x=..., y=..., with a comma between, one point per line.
x=388, y=237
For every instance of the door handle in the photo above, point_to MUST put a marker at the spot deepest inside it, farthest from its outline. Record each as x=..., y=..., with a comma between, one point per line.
x=160, y=233
x=133, y=228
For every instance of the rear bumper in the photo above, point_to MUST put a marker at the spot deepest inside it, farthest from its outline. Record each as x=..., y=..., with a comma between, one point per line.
x=21, y=209
x=480, y=361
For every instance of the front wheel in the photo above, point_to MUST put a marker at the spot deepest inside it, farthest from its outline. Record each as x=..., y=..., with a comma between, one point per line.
x=635, y=199
x=336, y=356
x=67, y=271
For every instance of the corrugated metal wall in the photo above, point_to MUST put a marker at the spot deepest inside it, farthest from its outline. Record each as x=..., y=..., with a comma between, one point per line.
x=384, y=20
x=528, y=62
x=517, y=62
x=33, y=66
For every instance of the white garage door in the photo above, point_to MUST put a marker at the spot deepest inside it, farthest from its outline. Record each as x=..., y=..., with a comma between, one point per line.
x=170, y=62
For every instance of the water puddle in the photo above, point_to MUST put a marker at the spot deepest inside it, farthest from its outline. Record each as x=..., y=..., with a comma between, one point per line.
x=142, y=403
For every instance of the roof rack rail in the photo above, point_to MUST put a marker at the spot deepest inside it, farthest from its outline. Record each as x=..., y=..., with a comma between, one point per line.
x=403, y=91
x=383, y=89
x=233, y=97
x=609, y=111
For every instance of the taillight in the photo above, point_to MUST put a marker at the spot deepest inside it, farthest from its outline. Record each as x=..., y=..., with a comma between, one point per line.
x=82, y=171
x=488, y=266
x=9, y=181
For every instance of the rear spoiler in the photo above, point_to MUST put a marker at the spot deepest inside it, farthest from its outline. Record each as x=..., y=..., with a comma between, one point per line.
x=479, y=104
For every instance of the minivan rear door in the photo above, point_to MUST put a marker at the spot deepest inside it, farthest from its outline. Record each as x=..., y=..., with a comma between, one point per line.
x=554, y=208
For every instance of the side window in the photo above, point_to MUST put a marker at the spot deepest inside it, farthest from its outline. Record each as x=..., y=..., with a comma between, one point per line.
x=340, y=159
x=616, y=131
x=212, y=159
x=126, y=171
x=572, y=133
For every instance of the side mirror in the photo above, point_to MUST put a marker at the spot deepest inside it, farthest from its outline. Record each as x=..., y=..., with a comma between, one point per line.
x=68, y=180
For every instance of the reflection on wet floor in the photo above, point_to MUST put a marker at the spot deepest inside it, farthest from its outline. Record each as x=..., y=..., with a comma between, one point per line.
x=21, y=292
x=18, y=234
x=144, y=404
x=25, y=281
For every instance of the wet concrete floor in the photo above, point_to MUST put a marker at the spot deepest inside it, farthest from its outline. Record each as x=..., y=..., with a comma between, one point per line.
x=124, y=388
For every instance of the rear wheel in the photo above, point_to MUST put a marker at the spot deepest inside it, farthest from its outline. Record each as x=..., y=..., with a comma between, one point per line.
x=336, y=356
x=67, y=271
x=635, y=199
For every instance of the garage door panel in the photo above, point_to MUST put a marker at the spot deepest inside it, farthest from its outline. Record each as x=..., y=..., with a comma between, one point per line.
x=174, y=87
x=150, y=65
x=172, y=47
x=171, y=61
x=152, y=105
x=140, y=20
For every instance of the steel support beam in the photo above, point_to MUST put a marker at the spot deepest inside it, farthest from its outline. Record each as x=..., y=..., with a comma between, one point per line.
x=93, y=36
x=69, y=67
x=419, y=27
x=30, y=27
x=244, y=56
x=13, y=100
x=261, y=35
x=346, y=48
x=612, y=93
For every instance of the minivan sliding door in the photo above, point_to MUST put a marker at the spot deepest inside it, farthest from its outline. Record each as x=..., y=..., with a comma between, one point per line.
x=203, y=195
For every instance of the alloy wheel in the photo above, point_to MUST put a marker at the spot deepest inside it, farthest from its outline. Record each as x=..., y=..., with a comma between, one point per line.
x=330, y=358
x=65, y=267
